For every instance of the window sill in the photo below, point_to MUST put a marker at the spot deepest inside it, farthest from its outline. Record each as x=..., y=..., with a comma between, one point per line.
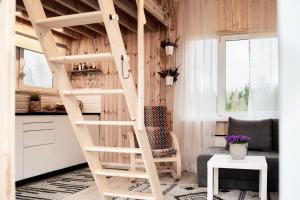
x=40, y=91
x=223, y=117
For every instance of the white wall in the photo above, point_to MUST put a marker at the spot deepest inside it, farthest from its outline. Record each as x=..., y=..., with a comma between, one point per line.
x=289, y=33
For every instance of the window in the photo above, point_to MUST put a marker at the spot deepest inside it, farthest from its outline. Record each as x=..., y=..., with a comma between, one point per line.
x=34, y=72
x=237, y=75
x=247, y=75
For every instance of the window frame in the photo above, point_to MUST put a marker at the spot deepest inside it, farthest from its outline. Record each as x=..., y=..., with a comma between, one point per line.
x=21, y=87
x=221, y=107
x=222, y=113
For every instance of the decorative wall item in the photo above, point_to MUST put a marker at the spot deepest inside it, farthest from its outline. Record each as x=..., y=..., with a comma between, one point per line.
x=60, y=107
x=169, y=46
x=50, y=107
x=35, y=102
x=170, y=74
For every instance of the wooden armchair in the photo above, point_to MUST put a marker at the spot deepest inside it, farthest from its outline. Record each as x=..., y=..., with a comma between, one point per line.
x=164, y=144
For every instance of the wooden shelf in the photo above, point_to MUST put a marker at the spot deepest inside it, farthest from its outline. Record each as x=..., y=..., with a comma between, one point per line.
x=85, y=71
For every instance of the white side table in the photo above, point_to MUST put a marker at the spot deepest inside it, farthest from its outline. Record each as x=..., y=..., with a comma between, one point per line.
x=225, y=161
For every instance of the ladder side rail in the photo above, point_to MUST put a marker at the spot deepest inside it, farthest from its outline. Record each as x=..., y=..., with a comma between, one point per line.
x=46, y=39
x=118, y=49
x=141, y=64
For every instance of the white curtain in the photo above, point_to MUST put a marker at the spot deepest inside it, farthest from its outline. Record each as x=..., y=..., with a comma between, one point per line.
x=263, y=100
x=262, y=24
x=195, y=91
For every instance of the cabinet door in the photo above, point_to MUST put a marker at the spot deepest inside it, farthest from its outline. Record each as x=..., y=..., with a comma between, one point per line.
x=39, y=145
x=62, y=152
x=68, y=143
x=40, y=160
x=19, y=148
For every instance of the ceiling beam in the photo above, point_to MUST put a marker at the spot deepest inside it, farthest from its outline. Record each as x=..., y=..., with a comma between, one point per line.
x=124, y=19
x=78, y=7
x=127, y=21
x=155, y=10
x=131, y=9
x=91, y=3
x=56, y=8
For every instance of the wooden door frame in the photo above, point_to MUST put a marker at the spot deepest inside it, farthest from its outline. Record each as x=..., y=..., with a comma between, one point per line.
x=7, y=103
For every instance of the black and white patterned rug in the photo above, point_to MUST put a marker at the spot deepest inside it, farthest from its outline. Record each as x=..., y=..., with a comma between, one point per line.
x=64, y=185
x=193, y=192
x=56, y=187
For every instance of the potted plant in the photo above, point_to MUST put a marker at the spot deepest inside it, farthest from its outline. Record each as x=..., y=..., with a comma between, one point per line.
x=169, y=46
x=238, y=146
x=34, y=102
x=171, y=75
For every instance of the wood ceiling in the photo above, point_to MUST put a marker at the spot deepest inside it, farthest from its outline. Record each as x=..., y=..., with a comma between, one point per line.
x=126, y=10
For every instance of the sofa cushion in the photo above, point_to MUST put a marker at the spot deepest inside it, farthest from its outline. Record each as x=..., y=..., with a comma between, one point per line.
x=275, y=130
x=260, y=132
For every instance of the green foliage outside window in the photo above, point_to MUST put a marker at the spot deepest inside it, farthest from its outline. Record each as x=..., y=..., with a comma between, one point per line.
x=237, y=100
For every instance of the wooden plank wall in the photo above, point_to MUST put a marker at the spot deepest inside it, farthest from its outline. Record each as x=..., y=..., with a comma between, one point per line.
x=222, y=128
x=114, y=107
x=232, y=15
x=237, y=16
x=22, y=101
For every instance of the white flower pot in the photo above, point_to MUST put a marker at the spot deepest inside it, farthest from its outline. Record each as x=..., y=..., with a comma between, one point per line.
x=238, y=151
x=169, y=80
x=169, y=50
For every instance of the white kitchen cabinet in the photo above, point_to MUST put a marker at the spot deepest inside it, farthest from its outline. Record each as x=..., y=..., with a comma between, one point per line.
x=49, y=144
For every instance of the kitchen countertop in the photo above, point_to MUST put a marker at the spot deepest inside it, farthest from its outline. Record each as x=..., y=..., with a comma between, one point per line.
x=50, y=113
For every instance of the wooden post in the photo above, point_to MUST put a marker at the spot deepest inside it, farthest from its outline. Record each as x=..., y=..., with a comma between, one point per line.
x=7, y=105
x=141, y=60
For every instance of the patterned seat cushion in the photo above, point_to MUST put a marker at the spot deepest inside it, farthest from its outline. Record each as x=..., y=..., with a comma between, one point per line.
x=159, y=153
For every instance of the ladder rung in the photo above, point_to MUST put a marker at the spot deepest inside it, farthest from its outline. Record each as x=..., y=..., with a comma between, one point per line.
x=107, y=123
x=113, y=149
x=129, y=194
x=92, y=91
x=121, y=173
x=81, y=58
x=167, y=159
x=71, y=20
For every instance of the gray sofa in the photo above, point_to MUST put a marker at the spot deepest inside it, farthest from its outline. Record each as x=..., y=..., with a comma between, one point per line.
x=264, y=142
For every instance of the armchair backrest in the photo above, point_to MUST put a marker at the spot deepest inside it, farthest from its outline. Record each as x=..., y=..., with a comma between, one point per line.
x=156, y=116
x=157, y=127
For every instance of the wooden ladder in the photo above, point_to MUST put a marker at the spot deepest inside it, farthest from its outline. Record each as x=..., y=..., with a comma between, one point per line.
x=135, y=102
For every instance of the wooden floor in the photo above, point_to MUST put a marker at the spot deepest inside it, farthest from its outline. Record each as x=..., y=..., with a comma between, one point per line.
x=123, y=184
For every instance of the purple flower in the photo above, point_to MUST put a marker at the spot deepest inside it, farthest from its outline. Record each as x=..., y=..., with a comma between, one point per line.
x=237, y=139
